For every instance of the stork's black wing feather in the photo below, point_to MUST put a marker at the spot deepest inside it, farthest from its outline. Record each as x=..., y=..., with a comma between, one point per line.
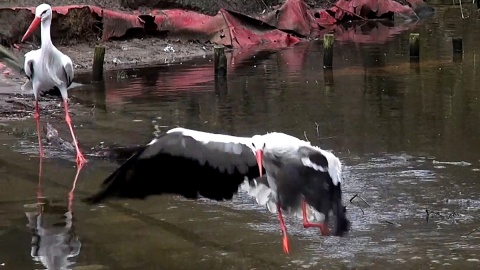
x=180, y=164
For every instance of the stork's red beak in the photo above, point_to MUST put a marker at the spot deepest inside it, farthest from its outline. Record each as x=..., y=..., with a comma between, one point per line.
x=259, y=156
x=31, y=28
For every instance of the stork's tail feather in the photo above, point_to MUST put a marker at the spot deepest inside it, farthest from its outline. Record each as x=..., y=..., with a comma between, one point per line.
x=116, y=184
x=342, y=224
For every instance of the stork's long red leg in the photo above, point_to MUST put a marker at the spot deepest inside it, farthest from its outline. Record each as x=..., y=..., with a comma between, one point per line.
x=37, y=119
x=39, y=189
x=80, y=159
x=307, y=224
x=286, y=247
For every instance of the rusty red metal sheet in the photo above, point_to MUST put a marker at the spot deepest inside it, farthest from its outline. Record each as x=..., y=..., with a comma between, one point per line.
x=281, y=27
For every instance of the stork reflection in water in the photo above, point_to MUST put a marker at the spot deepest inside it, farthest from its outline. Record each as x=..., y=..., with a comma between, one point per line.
x=54, y=242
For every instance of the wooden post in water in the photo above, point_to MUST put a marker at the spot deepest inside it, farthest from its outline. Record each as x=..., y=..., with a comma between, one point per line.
x=98, y=59
x=328, y=79
x=220, y=61
x=221, y=86
x=328, y=50
x=414, y=42
x=415, y=66
x=457, y=45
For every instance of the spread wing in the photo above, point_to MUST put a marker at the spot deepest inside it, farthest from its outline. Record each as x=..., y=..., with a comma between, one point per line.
x=183, y=164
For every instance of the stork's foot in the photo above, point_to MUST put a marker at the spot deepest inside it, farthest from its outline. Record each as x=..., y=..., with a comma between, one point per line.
x=322, y=226
x=286, y=246
x=324, y=229
x=81, y=160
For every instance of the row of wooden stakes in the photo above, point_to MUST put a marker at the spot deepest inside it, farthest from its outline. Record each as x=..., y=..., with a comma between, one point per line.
x=220, y=59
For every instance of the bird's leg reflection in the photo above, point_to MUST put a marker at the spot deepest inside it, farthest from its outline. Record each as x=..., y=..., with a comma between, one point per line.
x=71, y=193
x=54, y=242
x=40, y=197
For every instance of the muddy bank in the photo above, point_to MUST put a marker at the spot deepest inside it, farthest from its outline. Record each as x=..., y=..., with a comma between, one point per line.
x=15, y=106
x=135, y=52
x=118, y=55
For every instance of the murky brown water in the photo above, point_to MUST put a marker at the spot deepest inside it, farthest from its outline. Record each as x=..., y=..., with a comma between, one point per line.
x=407, y=134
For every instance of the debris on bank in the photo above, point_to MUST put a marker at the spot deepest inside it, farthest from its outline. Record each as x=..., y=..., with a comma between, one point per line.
x=55, y=140
x=14, y=106
x=114, y=153
x=283, y=26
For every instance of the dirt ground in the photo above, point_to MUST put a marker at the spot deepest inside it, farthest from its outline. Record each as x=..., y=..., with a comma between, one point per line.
x=134, y=52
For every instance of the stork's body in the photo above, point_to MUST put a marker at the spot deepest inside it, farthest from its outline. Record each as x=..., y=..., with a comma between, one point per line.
x=47, y=68
x=301, y=175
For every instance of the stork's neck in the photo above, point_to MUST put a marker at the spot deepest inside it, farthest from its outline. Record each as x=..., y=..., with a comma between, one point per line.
x=45, y=34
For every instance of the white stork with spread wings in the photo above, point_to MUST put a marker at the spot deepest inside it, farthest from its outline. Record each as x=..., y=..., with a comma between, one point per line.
x=192, y=163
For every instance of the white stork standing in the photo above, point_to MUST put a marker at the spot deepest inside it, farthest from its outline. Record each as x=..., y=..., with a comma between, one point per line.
x=194, y=163
x=47, y=68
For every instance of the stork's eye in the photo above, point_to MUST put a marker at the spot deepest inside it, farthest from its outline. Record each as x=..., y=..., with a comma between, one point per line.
x=253, y=145
x=44, y=12
x=264, y=145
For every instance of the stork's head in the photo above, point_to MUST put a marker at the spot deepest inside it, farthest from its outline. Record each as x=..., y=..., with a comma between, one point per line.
x=258, y=146
x=42, y=13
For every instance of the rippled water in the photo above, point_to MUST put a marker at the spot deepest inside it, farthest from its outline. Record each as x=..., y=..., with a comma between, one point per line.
x=408, y=135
